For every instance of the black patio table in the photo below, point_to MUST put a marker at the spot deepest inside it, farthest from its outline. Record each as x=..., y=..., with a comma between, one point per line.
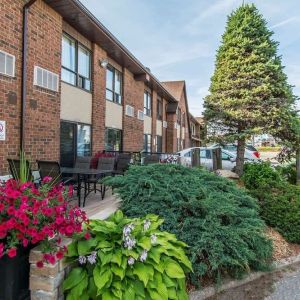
x=82, y=176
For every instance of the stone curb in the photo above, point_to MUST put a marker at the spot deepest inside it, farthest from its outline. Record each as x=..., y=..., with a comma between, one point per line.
x=212, y=290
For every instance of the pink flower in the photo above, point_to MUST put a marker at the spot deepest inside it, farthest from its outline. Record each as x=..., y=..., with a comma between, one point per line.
x=59, y=255
x=25, y=243
x=11, y=210
x=2, y=206
x=39, y=264
x=1, y=249
x=87, y=236
x=70, y=192
x=46, y=179
x=12, y=252
x=69, y=230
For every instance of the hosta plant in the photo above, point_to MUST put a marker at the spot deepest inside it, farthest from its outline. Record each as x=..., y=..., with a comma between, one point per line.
x=123, y=258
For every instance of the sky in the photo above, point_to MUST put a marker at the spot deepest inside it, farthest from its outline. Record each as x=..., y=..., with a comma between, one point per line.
x=178, y=39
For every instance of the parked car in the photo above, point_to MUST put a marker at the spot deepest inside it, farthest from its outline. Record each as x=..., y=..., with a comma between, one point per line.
x=206, y=158
x=250, y=151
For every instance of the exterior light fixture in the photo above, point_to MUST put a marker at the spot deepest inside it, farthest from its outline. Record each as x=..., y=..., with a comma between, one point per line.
x=103, y=63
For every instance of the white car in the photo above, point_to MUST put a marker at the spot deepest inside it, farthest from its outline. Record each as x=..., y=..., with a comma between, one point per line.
x=206, y=159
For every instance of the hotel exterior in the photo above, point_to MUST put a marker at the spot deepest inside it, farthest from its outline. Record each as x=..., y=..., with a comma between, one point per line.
x=69, y=88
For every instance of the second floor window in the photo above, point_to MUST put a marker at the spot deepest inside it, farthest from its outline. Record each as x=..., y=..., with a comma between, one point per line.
x=147, y=104
x=178, y=112
x=159, y=109
x=113, y=85
x=76, y=63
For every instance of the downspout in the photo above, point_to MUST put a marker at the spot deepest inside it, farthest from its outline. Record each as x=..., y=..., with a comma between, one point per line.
x=24, y=71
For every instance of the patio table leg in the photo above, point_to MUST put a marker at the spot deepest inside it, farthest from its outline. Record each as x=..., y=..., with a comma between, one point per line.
x=79, y=190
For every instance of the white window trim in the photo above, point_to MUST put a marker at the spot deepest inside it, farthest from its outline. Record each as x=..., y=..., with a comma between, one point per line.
x=140, y=112
x=14, y=64
x=43, y=69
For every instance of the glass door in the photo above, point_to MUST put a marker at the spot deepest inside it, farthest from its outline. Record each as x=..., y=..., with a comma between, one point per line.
x=67, y=144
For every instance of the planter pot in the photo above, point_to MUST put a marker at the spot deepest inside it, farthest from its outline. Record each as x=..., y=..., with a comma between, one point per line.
x=14, y=276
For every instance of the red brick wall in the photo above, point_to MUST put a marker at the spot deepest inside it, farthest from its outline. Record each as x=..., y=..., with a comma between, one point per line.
x=42, y=106
x=42, y=125
x=133, y=128
x=98, y=106
x=10, y=88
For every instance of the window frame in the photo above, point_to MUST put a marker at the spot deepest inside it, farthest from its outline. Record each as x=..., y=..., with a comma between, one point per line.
x=159, y=109
x=178, y=113
x=76, y=72
x=6, y=54
x=148, y=108
x=147, y=144
x=114, y=93
x=121, y=137
x=159, y=137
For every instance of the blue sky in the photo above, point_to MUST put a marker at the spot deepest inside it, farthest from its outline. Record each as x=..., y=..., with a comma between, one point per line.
x=178, y=39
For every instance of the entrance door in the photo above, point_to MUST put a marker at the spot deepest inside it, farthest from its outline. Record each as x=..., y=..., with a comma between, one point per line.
x=67, y=144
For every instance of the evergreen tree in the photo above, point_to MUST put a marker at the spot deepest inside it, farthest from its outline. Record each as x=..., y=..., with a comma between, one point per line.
x=249, y=93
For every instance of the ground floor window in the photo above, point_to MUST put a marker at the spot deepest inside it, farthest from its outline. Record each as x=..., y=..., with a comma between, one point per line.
x=147, y=142
x=113, y=139
x=159, y=143
x=75, y=140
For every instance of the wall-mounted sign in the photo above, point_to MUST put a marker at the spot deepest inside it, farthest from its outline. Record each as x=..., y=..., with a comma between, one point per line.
x=2, y=130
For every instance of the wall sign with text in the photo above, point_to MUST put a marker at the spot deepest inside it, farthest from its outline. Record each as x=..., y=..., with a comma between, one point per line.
x=2, y=130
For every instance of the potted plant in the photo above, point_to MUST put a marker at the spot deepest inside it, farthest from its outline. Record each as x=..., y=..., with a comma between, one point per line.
x=31, y=215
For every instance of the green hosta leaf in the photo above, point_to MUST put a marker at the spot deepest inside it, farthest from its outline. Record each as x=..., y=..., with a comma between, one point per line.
x=118, y=216
x=142, y=272
x=145, y=242
x=172, y=293
x=92, y=290
x=180, y=255
x=154, y=295
x=80, y=288
x=182, y=295
x=104, y=244
x=154, y=253
x=129, y=292
x=117, y=257
x=108, y=295
x=72, y=250
x=101, y=278
x=118, y=271
x=163, y=291
x=85, y=247
x=139, y=288
x=74, y=278
x=117, y=292
x=173, y=269
x=105, y=257
x=168, y=281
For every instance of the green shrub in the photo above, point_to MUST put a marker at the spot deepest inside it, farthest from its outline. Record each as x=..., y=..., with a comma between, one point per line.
x=279, y=200
x=127, y=259
x=288, y=172
x=218, y=220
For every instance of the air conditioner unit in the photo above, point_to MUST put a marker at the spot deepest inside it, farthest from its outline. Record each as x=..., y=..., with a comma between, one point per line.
x=165, y=124
x=129, y=111
x=45, y=79
x=141, y=115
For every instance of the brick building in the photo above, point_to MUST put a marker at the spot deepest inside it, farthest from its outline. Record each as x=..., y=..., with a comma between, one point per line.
x=68, y=88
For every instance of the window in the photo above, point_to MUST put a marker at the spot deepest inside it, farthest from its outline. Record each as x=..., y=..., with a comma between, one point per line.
x=226, y=156
x=159, y=143
x=178, y=144
x=76, y=63
x=7, y=64
x=113, y=139
x=147, y=142
x=113, y=85
x=159, y=109
x=183, y=119
x=75, y=140
x=178, y=112
x=147, y=104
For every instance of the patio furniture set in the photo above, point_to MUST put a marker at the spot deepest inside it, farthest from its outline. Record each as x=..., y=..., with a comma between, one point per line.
x=81, y=175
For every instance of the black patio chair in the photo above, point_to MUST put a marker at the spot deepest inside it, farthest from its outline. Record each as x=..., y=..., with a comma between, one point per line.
x=52, y=169
x=104, y=164
x=15, y=167
x=122, y=164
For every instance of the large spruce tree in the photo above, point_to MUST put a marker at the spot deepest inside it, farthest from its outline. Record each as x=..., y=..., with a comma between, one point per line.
x=249, y=93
